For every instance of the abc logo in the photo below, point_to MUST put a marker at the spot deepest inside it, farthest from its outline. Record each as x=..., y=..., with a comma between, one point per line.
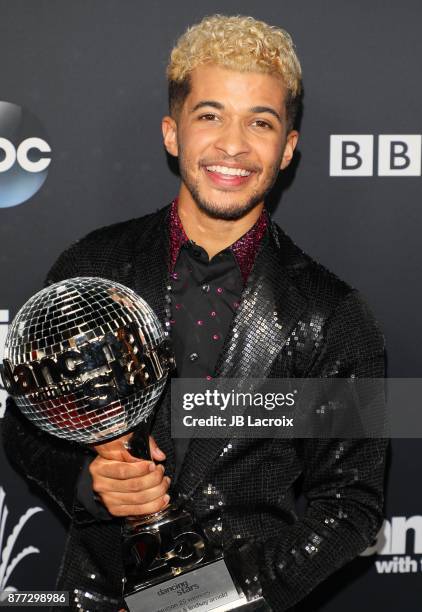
x=11, y=155
x=25, y=155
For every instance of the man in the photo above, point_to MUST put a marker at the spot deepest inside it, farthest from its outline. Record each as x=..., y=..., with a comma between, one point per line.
x=240, y=300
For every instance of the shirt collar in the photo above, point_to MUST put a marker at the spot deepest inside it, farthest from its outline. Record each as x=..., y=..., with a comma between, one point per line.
x=244, y=249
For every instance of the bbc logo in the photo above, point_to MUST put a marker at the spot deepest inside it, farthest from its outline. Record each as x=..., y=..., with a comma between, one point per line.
x=353, y=155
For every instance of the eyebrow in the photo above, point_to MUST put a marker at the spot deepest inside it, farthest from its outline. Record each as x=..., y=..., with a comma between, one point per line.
x=266, y=109
x=254, y=109
x=212, y=103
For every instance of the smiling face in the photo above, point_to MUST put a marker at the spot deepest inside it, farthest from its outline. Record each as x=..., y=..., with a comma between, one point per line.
x=231, y=140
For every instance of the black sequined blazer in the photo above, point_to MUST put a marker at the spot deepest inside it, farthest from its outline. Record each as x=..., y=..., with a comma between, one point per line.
x=241, y=490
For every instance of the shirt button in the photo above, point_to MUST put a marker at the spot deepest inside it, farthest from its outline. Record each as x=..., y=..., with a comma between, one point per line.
x=193, y=356
x=205, y=288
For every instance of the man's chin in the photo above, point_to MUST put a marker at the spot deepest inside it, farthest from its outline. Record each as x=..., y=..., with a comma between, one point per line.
x=227, y=212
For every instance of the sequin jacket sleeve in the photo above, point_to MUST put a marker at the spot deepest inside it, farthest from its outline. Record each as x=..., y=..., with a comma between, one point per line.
x=52, y=463
x=343, y=479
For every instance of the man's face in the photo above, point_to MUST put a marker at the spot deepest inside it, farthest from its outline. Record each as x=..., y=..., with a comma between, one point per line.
x=231, y=139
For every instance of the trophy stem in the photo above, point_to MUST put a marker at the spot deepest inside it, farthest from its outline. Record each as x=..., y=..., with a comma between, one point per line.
x=139, y=447
x=133, y=522
x=139, y=443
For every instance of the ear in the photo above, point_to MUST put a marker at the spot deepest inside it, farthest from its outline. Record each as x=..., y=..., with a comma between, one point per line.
x=289, y=148
x=169, y=129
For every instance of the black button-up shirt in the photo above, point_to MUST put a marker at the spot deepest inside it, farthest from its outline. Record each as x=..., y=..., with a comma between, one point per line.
x=205, y=295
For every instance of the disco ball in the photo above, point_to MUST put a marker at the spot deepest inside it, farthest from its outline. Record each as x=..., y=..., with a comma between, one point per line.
x=86, y=359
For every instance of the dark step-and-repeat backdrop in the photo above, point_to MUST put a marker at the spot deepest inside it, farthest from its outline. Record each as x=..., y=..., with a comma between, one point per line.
x=84, y=82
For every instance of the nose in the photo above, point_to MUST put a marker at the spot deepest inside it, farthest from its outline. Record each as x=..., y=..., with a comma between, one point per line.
x=232, y=139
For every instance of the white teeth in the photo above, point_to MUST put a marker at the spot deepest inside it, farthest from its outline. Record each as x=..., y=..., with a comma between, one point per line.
x=229, y=171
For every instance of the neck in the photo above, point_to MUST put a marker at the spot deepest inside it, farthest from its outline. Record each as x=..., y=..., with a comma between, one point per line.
x=213, y=235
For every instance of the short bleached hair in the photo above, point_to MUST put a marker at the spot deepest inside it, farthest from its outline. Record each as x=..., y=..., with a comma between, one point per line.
x=238, y=43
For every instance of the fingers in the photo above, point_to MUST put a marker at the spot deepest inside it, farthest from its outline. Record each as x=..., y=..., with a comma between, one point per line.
x=156, y=453
x=116, y=449
x=136, y=498
x=127, y=485
x=140, y=510
x=139, y=503
x=121, y=470
x=130, y=488
x=125, y=477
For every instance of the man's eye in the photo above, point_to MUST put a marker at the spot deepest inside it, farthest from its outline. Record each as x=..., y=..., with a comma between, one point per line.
x=208, y=117
x=262, y=124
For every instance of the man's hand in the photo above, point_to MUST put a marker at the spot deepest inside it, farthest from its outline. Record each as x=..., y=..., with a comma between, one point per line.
x=128, y=486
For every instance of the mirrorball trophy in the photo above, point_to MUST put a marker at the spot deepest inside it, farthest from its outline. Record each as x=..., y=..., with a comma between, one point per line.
x=86, y=359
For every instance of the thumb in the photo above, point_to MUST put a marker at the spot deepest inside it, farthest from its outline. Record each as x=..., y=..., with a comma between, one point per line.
x=156, y=453
x=116, y=450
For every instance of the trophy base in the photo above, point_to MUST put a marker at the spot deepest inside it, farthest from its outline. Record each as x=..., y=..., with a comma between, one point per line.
x=209, y=587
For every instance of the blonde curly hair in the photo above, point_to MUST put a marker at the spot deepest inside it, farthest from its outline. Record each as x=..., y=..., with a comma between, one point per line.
x=239, y=43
